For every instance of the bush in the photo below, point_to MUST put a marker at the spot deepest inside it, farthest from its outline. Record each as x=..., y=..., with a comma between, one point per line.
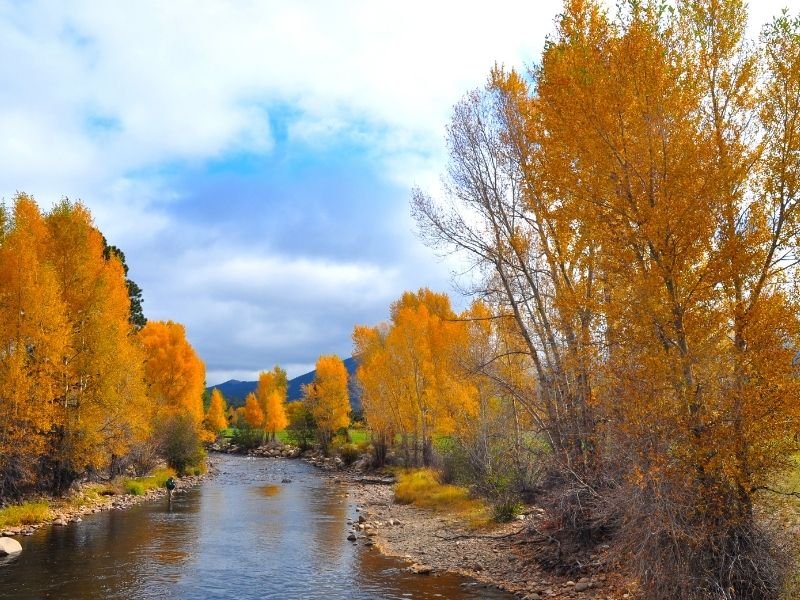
x=180, y=443
x=131, y=486
x=248, y=438
x=349, y=453
x=506, y=511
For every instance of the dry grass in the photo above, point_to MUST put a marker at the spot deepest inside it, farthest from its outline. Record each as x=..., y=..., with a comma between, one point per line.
x=422, y=488
x=27, y=513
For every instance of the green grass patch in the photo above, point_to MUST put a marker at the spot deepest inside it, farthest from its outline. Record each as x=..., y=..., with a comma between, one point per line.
x=358, y=436
x=27, y=513
x=157, y=479
x=422, y=488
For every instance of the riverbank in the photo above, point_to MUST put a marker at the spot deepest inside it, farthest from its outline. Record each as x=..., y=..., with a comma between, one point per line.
x=92, y=497
x=500, y=556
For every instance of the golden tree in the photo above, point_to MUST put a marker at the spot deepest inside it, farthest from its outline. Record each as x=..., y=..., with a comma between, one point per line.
x=276, y=419
x=34, y=336
x=216, y=420
x=634, y=207
x=272, y=383
x=104, y=408
x=327, y=397
x=253, y=414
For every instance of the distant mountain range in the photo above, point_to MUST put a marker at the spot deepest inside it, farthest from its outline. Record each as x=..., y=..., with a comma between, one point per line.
x=236, y=391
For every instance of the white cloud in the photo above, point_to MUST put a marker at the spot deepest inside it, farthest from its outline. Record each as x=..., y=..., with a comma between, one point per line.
x=100, y=97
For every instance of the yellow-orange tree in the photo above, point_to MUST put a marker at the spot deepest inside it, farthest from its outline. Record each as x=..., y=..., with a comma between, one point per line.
x=411, y=384
x=271, y=394
x=635, y=208
x=34, y=338
x=103, y=408
x=328, y=399
x=175, y=376
x=253, y=414
x=216, y=420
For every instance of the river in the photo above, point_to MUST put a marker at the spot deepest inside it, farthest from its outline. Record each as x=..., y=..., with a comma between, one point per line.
x=241, y=534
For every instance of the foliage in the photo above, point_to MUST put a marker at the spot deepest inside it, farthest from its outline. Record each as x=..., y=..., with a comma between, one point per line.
x=180, y=443
x=253, y=413
x=302, y=428
x=71, y=372
x=327, y=398
x=215, y=417
x=633, y=207
x=175, y=374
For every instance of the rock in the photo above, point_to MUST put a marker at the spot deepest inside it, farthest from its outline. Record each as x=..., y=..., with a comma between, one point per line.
x=60, y=522
x=532, y=596
x=286, y=480
x=351, y=537
x=362, y=519
x=419, y=569
x=9, y=546
x=582, y=586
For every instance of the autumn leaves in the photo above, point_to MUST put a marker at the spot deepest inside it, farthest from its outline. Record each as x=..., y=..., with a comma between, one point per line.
x=80, y=387
x=633, y=207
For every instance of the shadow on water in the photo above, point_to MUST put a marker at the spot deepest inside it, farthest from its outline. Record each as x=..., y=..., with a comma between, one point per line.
x=240, y=535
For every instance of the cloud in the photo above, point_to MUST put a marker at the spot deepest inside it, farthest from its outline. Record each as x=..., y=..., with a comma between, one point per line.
x=253, y=158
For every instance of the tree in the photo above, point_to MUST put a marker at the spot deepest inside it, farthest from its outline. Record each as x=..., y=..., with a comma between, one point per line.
x=276, y=419
x=174, y=372
x=215, y=417
x=301, y=428
x=269, y=383
x=34, y=336
x=328, y=398
x=407, y=371
x=634, y=207
x=253, y=414
x=104, y=408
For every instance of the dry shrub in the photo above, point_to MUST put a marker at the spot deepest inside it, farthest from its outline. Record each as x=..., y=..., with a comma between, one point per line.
x=679, y=549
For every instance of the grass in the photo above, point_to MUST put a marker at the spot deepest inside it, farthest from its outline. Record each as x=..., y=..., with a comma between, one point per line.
x=27, y=513
x=357, y=435
x=141, y=485
x=422, y=488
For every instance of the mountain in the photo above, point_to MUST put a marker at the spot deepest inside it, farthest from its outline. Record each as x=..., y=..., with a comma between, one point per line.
x=236, y=391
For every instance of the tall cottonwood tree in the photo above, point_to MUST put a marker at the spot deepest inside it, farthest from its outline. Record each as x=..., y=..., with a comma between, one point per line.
x=271, y=395
x=634, y=206
x=103, y=408
x=327, y=398
x=216, y=420
x=34, y=338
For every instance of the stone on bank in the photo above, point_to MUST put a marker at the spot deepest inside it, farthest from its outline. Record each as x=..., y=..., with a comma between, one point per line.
x=9, y=546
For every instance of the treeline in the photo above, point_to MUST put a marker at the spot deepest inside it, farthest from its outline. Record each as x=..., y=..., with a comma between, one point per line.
x=630, y=209
x=86, y=384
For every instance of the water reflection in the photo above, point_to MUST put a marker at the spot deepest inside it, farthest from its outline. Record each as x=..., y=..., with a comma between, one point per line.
x=241, y=535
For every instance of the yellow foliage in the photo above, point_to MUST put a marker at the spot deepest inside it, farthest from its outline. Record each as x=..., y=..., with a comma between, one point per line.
x=215, y=417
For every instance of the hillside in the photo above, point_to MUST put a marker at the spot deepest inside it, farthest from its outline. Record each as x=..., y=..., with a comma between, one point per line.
x=236, y=391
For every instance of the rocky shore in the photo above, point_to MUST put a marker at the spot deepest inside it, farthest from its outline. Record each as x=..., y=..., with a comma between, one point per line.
x=80, y=504
x=500, y=556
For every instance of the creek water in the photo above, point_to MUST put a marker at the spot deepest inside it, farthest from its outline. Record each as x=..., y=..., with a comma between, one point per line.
x=242, y=534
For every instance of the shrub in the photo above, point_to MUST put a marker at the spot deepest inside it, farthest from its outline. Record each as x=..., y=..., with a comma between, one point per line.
x=506, y=511
x=349, y=453
x=180, y=443
x=248, y=437
x=134, y=487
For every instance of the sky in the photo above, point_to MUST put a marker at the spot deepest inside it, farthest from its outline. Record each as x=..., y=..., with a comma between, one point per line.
x=254, y=159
